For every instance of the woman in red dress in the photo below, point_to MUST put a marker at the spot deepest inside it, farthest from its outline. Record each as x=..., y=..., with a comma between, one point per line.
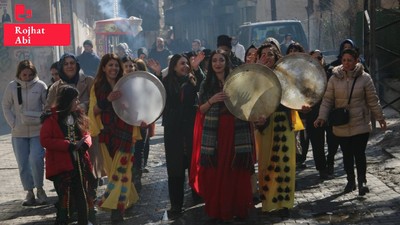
x=226, y=149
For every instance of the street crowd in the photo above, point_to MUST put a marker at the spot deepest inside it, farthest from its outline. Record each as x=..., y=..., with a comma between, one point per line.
x=69, y=132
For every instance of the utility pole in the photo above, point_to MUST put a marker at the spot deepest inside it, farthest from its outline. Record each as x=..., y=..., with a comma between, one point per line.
x=116, y=8
x=372, y=40
x=310, y=11
x=370, y=18
x=273, y=10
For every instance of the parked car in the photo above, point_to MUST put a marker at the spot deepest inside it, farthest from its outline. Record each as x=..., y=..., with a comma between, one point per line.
x=256, y=33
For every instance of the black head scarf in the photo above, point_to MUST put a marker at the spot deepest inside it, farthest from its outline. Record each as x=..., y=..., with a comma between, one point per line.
x=73, y=80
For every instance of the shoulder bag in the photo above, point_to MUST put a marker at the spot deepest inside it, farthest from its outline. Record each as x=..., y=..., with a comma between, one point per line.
x=341, y=116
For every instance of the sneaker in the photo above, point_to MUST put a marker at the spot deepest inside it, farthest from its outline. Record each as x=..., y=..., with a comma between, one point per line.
x=29, y=199
x=41, y=196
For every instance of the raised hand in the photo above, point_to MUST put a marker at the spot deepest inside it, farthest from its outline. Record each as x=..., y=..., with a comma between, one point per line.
x=196, y=60
x=154, y=65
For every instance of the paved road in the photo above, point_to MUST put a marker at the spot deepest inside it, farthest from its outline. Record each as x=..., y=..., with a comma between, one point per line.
x=317, y=202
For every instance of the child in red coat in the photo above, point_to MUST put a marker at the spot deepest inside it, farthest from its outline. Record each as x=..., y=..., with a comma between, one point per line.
x=64, y=135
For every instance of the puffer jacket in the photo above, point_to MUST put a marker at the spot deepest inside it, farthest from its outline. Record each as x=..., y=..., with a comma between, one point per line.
x=364, y=100
x=33, y=94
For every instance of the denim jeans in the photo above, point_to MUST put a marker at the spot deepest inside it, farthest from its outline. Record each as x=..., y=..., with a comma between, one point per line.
x=30, y=158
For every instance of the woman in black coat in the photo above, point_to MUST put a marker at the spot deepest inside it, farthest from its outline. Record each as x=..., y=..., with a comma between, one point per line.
x=181, y=84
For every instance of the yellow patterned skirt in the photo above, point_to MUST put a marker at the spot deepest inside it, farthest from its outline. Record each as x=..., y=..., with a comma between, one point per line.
x=276, y=163
x=120, y=192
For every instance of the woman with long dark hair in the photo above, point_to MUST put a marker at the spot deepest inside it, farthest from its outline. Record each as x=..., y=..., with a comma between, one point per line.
x=181, y=84
x=226, y=151
x=115, y=139
x=65, y=136
x=275, y=138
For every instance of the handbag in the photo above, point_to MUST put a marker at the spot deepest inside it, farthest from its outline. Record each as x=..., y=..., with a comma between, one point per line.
x=29, y=118
x=341, y=116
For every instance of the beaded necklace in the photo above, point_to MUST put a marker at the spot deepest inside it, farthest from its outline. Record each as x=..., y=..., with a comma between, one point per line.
x=70, y=123
x=72, y=137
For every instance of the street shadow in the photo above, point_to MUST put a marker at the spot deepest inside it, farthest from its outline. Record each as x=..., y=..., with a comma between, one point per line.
x=13, y=209
x=327, y=211
x=308, y=178
x=152, y=203
x=322, y=205
x=195, y=214
x=42, y=222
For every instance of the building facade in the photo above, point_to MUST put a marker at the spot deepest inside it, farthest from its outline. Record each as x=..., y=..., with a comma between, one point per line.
x=80, y=14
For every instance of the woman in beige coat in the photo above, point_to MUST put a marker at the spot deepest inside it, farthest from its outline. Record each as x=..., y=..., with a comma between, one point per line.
x=353, y=136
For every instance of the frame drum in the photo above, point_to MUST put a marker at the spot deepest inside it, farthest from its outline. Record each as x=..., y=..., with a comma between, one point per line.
x=143, y=98
x=303, y=80
x=253, y=91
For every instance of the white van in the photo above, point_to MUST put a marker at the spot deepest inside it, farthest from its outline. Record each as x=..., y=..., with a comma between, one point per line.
x=256, y=33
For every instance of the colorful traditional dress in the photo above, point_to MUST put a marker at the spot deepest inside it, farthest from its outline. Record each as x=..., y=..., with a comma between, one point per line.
x=226, y=160
x=277, y=159
x=69, y=169
x=115, y=141
x=195, y=162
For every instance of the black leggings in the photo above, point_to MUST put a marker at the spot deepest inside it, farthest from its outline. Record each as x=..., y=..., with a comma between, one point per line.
x=353, y=148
